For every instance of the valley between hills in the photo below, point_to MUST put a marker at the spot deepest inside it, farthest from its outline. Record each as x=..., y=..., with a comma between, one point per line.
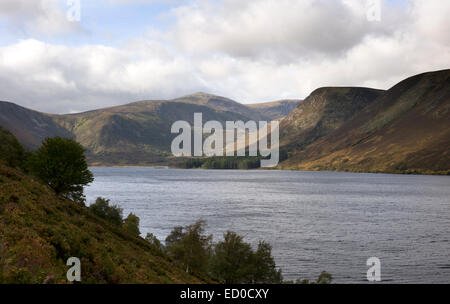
x=405, y=129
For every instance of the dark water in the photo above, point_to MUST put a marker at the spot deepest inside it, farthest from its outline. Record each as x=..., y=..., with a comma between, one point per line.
x=314, y=220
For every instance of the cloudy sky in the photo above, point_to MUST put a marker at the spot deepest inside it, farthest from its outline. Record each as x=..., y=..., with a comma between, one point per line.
x=251, y=51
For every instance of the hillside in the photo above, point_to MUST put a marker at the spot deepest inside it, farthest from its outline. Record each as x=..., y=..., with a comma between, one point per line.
x=322, y=112
x=30, y=127
x=134, y=134
x=276, y=109
x=40, y=231
x=224, y=105
x=11, y=152
x=405, y=130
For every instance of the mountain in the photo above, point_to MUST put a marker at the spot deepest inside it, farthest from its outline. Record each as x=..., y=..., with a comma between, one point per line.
x=223, y=104
x=322, y=112
x=276, y=109
x=30, y=127
x=133, y=134
x=405, y=130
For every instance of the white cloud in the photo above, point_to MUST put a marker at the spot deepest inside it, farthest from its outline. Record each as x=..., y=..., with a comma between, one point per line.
x=37, y=17
x=277, y=49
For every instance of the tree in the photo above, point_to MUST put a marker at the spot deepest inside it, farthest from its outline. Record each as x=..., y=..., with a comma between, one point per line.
x=324, y=278
x=190, y=246
x=60, y=163
x=11, y=151
x=265, y=271
x=131, y=224
x=112, y=214
x=232, y=261
x=152, y=239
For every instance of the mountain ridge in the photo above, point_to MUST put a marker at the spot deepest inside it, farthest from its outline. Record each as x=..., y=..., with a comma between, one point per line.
x=136, y=133
x=405, y=130
x=334, y=128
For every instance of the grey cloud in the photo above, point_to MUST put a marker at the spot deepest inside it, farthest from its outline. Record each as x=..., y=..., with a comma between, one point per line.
x=236, y=59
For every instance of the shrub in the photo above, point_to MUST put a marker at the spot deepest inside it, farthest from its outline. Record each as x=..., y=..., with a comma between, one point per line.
x=231, y=261
x=11, y=152
x=152, y=239
x=131, y=224
x=190, y=246
x=234, y=262
x=112, y=214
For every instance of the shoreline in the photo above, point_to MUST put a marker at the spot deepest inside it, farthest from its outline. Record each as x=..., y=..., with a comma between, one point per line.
x=167, y=166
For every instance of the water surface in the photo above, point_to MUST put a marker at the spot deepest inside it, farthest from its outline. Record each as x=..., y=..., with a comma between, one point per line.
x=314, y=220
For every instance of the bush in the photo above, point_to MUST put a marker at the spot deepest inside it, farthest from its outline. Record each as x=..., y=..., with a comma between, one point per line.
x=152, y=239
x=190, y=246
x=265, y=271
x=112, y=214
x=324, y=279
x=11, y=151
x=231, y=261
x=234, y=262
x=60, y=163
x=131, y=224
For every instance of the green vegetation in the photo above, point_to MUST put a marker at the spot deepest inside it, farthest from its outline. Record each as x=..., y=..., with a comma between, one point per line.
x=190, y=247
x=40, y=230
x=60, y=163
x=12, y=153
x=42, y=225
x=225, y=163
x=112, y=214
x=131, y=224
x=152, y=239
x=231, y=261
x=221, y=163
x=234, y=262
x=324, y=279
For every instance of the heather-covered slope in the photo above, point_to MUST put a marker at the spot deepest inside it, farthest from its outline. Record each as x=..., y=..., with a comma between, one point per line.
x=407, y=129
x=39, y=232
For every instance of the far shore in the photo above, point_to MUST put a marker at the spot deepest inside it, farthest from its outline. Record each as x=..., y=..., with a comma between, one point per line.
x=168, y=166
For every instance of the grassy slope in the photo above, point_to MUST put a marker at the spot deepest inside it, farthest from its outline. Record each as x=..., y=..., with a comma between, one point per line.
x=406, y=130
x=28, y=126
x=137, y=133
x=39, y=232
x=133, y=134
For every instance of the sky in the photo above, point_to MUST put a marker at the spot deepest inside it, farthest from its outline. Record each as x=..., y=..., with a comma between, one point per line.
x=120, y=51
